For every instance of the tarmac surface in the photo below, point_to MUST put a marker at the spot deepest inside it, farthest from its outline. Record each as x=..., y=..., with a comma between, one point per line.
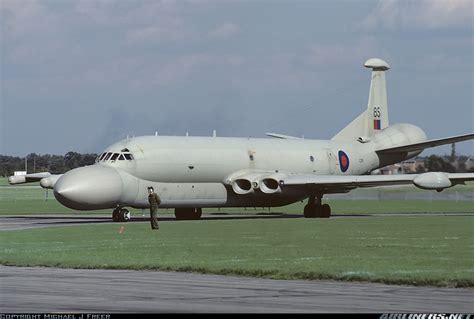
x=76, y=290
x=29, y=221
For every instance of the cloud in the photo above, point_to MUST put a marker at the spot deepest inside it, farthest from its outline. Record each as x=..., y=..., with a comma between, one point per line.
x=224, y=31
x=350, y=54
x=154, y=34
x=422, y=14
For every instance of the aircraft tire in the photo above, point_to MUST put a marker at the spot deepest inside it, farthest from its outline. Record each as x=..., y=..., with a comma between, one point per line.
x=310, y=211
x=325, y=211
x=188, y=213
x=124, y=215
x=115, y=215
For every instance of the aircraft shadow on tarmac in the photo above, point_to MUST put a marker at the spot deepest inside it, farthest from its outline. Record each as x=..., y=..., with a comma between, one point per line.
x=77, y=220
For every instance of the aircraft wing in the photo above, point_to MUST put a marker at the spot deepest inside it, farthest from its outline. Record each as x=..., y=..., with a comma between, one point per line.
x=283, y=136
x=246, y=182
x=334, y=184
x=426, y=144
x=46, y=179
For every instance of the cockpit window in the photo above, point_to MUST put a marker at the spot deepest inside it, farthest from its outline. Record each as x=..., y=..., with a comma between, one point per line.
x=115, y=156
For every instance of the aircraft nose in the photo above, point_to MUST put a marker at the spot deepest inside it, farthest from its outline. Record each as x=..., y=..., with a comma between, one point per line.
x=90, y=187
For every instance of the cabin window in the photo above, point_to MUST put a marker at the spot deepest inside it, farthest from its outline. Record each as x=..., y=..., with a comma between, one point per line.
x=114, y=157
x=107, y=156
x=311, y=158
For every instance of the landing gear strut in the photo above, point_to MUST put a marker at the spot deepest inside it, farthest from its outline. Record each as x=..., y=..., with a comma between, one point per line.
x=314, y=208
x=120, y=215
x=188, y=213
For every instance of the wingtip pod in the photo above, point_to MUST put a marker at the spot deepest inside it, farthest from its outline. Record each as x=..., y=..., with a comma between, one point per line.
x=377, y=64
x=433, y=180
x=18, y=179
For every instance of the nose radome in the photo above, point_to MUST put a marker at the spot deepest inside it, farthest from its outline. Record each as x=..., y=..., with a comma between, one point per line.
x=90, y=187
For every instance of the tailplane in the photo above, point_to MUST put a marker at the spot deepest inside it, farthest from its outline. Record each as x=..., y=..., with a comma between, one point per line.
x=375, y=118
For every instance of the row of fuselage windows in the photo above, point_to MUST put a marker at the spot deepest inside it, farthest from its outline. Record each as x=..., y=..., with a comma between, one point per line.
x=108, y=156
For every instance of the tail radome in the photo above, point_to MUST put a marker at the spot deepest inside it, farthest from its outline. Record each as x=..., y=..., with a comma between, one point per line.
x=375, y=117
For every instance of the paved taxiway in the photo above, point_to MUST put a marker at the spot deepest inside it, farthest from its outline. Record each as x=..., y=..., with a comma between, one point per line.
x=16, y=222
x=76, y=290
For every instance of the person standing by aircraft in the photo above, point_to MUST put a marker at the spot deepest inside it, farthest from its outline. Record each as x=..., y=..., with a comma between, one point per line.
x=154, y=201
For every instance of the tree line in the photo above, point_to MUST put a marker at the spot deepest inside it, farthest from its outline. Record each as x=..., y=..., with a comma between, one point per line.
x=55, y=164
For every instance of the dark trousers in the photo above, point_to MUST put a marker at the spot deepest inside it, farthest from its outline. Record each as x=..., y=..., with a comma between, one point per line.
x=154, y=217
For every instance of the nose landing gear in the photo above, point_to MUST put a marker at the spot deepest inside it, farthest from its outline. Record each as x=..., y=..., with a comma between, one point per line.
x=314, y=208
x=120, y=215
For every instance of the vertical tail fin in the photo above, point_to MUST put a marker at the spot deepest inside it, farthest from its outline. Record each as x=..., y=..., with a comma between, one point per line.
x=377, y=109
x=376, y=116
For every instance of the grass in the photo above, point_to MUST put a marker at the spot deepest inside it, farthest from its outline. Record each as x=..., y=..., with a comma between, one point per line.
x=436, y=250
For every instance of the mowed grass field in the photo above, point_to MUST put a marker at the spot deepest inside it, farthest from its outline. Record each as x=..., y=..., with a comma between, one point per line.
x=429, y=250
x=420, y=249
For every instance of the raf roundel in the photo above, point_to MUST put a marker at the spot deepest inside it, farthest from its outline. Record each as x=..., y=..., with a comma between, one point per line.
x=343, y=161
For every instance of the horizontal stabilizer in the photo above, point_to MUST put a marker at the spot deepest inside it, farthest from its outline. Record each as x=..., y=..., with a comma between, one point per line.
x=282, y=136
x=426, y=144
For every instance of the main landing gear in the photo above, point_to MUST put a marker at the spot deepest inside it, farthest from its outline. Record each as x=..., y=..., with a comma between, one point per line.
x=314, y=208
x=120, y=214
x=187, y=213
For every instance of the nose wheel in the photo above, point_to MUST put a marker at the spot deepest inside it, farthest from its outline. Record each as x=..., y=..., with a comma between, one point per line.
x=120, y=215
x=314, y=208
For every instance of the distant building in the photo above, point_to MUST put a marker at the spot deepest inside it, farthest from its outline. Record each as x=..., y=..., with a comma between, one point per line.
x=469, y=164
x=19, y=173
x=406, y=167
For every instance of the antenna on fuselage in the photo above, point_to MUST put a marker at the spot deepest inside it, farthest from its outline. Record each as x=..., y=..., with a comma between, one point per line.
x=214, y=133
x=156, y=133
x=187, y=133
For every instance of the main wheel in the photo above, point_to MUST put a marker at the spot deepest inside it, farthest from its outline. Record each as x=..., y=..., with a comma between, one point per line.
x=309, y=211
x=325, y=211
x=188, y=213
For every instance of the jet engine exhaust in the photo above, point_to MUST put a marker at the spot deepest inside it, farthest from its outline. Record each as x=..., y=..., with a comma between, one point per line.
x=270, y=186
x=242, y=186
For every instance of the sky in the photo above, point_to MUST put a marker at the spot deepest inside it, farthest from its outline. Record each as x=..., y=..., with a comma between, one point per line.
x=81, y=75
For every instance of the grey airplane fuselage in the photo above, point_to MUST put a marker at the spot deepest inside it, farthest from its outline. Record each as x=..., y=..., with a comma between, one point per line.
x=199, y=171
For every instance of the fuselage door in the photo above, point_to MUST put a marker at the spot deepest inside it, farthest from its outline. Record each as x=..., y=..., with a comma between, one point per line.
x=332, y=162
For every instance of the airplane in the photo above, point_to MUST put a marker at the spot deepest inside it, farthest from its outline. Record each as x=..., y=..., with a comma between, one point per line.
x=190, y=173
